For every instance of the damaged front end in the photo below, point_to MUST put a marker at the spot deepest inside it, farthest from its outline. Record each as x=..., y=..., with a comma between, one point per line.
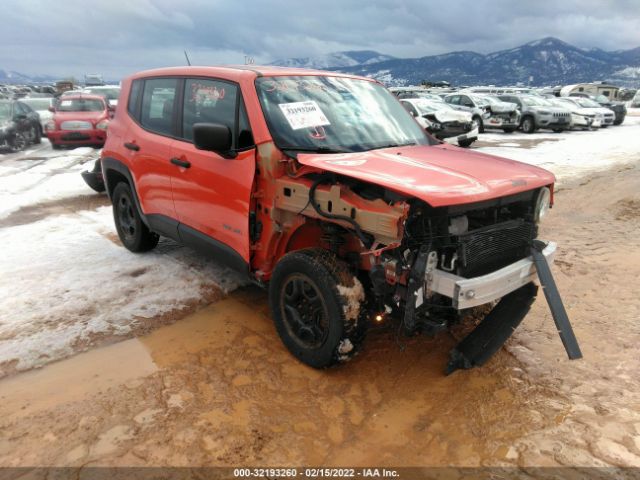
x=425, y=266
x=455, y=258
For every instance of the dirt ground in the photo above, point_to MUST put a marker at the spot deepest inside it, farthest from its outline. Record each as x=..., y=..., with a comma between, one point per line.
x=218, y=387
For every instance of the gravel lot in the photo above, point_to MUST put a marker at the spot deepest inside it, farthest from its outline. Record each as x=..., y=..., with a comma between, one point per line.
x=136, y=371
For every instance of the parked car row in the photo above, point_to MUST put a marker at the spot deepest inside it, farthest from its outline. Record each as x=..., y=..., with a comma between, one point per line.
x=508, y=109
x=76, y=117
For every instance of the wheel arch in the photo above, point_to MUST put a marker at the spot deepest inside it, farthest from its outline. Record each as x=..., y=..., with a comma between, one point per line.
x=114, y=172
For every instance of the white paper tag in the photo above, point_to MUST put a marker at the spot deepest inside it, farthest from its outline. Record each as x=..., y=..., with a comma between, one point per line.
x=65, y=103
x=303, y=114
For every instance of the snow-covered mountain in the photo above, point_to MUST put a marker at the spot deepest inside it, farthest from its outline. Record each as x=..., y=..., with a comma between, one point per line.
x=20, y=78
x=548, y=61
x=334, y=60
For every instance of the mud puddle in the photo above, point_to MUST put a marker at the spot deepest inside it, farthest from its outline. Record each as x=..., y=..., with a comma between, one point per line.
x=33, y=213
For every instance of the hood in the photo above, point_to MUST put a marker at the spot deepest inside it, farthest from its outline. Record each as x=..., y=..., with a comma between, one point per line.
x=83, y=116
x=503, y=107
x=440, y=175
x=446, y=115
x=582, y=111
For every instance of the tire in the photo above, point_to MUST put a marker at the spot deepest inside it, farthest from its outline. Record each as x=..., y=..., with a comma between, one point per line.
x=465, y=143
x=618, y=122
x=37, y=140
x=509, y=130
x=480, y=124
x=558, y=130
x=55, y=146
x=133, y=233
x=316, y=304
x=528, y=125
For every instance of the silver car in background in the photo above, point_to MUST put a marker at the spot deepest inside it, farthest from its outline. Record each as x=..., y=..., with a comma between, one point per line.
x=537, y=112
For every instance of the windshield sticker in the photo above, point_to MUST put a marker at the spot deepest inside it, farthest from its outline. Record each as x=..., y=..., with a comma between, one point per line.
x=303, y=114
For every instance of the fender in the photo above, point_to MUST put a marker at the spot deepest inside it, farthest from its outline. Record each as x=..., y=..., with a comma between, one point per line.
x=117, y=166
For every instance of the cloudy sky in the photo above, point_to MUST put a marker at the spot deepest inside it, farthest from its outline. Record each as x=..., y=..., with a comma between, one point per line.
x=116, y=37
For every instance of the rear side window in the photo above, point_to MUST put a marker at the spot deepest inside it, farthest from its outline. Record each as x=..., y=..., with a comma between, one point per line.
x=208, y=101
x=158, y=104
x=134, y=98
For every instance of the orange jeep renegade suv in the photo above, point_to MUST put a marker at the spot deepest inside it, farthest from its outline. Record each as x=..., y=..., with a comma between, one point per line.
x=322, y=187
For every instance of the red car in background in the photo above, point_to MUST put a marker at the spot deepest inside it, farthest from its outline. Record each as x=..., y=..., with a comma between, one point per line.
x=79, y=120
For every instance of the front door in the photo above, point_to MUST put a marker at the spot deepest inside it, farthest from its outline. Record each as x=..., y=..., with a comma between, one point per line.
x=211, y=191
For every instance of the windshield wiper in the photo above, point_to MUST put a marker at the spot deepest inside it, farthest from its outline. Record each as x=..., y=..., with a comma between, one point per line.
x=318, y=149
x=394, y=145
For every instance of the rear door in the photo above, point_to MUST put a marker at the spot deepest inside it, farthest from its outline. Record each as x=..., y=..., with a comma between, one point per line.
x=148, y=143
x=211, y=192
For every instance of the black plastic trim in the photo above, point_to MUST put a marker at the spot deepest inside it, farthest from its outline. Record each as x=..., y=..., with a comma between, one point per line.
x=212, y=248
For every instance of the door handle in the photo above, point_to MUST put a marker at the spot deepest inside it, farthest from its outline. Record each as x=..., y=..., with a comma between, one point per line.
x=180, y=163
x=132, y=146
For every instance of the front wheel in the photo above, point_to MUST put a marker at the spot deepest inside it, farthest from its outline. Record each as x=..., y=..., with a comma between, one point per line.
x=18, y=143
x=317, y=307
x=480, y=123
x=133, y=233
x=528, y=125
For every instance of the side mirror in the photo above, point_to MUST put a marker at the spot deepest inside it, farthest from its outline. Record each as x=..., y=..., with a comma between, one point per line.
x=213, y=137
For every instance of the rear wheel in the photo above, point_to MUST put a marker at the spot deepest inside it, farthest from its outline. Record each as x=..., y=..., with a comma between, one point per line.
x=316, y=303
x=466, y=143
x=528, y=125
x=133, y=233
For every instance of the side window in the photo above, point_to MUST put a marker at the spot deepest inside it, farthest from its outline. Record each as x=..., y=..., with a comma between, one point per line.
x=134, y=96
x=208, y=101
x=455, y=100
x=158, y=101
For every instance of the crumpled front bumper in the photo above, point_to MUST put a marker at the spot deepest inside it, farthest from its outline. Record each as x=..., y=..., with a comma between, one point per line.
x=471, y=292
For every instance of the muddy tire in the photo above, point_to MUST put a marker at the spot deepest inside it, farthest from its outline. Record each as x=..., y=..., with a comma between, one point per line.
x=317, y=307
x=133, y=233
x=528, y=125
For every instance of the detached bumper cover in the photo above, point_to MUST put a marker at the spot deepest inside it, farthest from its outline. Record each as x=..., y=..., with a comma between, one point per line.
x=471, y=292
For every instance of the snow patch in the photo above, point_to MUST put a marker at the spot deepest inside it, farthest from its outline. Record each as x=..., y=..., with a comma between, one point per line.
x=354, y=296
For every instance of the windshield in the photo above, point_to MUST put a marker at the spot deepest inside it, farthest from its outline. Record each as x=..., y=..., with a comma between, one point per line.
x=333, y=113
x=481, y=101
x=80, y=105
x=37, y=103
x=5, y=111
x=109, y=93
x=602, y=99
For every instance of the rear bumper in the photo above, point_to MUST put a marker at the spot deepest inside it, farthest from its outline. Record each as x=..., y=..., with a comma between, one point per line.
x=77, y=137
x=471, y=292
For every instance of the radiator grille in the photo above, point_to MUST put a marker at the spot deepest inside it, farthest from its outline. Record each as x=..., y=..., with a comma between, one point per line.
x=490, y=248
